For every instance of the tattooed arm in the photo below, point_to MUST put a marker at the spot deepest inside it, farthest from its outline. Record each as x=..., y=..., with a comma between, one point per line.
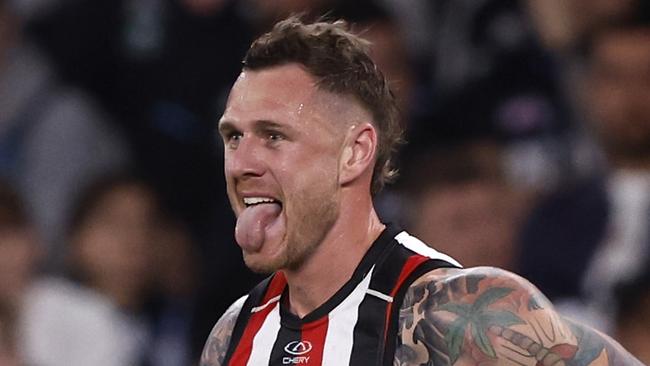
x=217, y=344
x=488, y=316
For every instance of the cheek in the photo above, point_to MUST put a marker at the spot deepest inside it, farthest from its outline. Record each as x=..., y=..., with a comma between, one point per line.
x=230, y=190
x=309, y=176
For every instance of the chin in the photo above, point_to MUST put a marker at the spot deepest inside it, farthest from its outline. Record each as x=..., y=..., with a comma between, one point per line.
x=259, y=263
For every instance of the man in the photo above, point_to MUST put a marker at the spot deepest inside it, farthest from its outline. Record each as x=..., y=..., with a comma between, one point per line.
x=585, y=239
x=45, y=125
x=461, y=202
x=308, y=130
x=20, y=253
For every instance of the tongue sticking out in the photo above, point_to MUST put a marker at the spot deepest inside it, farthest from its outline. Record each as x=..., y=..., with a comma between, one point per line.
x=252, y=225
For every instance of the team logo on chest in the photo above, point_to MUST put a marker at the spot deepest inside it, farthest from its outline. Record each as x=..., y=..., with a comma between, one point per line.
x=299, y=350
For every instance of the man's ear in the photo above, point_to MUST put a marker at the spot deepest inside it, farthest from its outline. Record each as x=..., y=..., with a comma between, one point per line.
x=358, y=155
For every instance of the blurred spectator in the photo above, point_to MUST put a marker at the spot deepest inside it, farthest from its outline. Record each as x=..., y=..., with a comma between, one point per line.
x=163, y=68
x=583, y=240
x=387, y=47
x=263, y=14
x=389, y=53
x=565, y=28
x=19, y=256
x=19, y=248
x=8, y=337
x=565, y=24
x=113, y=239
x=205, y=7
x=489, y=76
x=462, y=204
x=633, y=321
x=53, y=139
x=172, y=312
x=27, y=9
x=96, y=317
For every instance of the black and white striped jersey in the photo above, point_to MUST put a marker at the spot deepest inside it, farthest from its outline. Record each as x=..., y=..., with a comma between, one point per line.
x=356, y=326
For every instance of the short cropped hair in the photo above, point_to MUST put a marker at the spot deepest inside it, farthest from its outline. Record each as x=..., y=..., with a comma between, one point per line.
x=340, y=62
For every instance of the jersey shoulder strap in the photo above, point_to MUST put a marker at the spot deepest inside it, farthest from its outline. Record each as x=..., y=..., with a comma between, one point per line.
x=417, y=259
x=255, y=309
x=403, y=261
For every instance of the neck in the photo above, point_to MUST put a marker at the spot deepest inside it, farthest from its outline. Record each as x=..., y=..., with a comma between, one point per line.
x=335, y=260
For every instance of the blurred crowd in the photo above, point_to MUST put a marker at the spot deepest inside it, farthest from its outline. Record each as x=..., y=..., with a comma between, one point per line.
x=528, y=129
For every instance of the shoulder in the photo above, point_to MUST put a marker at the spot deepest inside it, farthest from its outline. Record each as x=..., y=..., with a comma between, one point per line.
x=472, y=281
x=439, y=307
x=79, y=317
x=485, y=314
x=218, y=341
x=52, y=296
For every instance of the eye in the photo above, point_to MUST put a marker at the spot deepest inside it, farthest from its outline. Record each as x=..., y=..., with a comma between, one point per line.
x=232, y=139
x=275, y=136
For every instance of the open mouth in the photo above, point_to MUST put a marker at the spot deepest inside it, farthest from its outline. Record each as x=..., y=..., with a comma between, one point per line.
x=254, y=201
x=259, y=220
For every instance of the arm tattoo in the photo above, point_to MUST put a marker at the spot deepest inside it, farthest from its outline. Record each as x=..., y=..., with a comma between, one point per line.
x=217, y=344
x=489, y=316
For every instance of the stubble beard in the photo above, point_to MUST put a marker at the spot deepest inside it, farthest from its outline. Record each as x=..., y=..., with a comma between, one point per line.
x=310, y=235
x=307, y=227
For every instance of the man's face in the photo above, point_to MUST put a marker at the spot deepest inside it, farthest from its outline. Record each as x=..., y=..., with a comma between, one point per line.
x=116, y=242
x=474, y=222
x=282, y=148
x=620, y=91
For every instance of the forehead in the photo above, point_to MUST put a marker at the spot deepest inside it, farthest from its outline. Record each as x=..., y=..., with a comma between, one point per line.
x=282, y=89
x=289, y=95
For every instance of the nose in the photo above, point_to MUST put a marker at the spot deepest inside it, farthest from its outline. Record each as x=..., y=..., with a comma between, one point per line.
x=244, y=161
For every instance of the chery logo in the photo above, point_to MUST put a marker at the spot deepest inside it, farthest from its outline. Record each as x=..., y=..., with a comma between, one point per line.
x=298, y=348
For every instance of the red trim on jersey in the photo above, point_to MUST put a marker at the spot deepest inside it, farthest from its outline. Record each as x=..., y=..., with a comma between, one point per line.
x=315, y=333
x=277, y=285
x=411, y=264
x=243, y=351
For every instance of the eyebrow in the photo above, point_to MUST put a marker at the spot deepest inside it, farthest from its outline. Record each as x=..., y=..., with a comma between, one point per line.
x=267, y=124
x=258, y=125
x=225, y=126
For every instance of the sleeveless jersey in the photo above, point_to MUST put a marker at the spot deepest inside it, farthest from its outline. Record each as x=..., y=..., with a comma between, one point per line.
x=356, y=326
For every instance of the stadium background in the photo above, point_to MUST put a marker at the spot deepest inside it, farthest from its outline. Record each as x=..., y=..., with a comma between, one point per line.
x=501, y=157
